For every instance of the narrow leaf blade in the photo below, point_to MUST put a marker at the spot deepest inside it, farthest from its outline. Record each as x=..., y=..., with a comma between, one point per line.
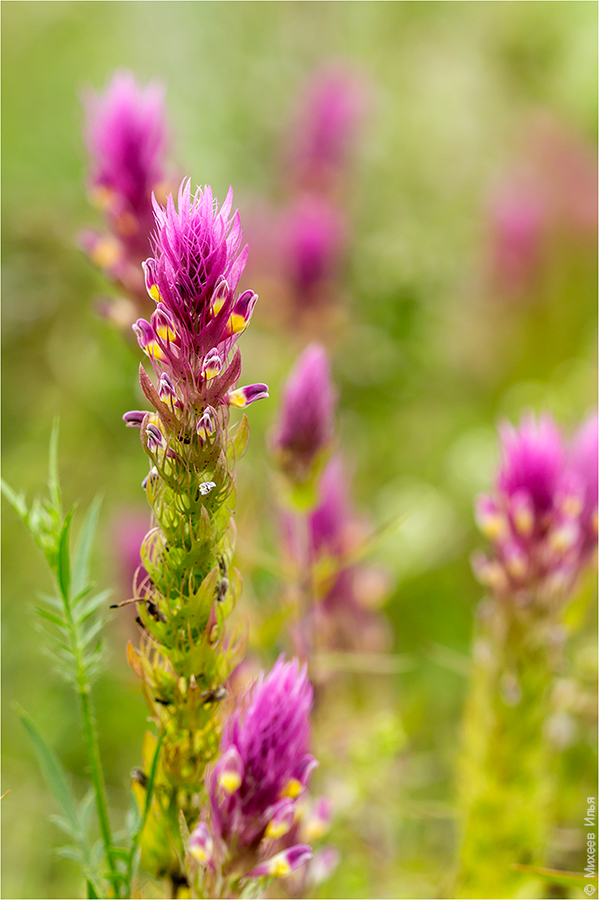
x=53, y=773
x=84, y=546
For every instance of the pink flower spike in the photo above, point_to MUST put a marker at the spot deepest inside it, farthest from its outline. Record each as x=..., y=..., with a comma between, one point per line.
x=126, y=137
x=306, y=423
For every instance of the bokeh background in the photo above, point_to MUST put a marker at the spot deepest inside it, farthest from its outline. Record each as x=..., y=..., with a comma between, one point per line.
x=455, y=307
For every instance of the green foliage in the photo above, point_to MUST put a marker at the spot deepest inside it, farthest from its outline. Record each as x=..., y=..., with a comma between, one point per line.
x=74, y=820
x=71, y=619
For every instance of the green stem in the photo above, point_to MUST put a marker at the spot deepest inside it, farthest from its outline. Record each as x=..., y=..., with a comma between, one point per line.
x=97, y=776
x=91, y=742
x=137, y=835
x=505, y=791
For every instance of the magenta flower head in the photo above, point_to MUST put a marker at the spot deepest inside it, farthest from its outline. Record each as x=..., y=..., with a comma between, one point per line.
x=126, y=137
x=264, y=766
x=306, y=426
x=325, y=131
x=197, y=263
x=313, y=237
x=541, y=518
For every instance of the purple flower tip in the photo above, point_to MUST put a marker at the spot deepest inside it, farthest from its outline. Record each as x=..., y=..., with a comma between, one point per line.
x=533, y=459
x=307, y=415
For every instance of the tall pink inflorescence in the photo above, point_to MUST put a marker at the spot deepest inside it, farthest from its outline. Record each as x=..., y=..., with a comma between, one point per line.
x=126, y=138
x=541, y=518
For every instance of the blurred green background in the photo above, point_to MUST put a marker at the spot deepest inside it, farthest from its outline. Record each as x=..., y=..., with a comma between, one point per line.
x=430, y=354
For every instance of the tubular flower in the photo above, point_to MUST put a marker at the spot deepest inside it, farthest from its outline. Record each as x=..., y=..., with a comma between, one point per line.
x=126, y=137
x=541, y=518
x=263, y=767
x=198, y=261
x=306, y=425
x=185, y=655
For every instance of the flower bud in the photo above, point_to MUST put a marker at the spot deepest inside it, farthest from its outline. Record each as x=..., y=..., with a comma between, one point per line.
x=283, y=816
x=201, y=845
x=244, y=396
x=284, y=863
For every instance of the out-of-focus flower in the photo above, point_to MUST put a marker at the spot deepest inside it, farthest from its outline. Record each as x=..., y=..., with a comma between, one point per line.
x=299, y=247
x=126, y=137
x=549, y=197
x=541, y=518
x=263, y=767
x=305, y=430
x=313, y=237
x=198, y=260
x=517, y=237
x=130, y=531
x=324, y=132
x=344, y=614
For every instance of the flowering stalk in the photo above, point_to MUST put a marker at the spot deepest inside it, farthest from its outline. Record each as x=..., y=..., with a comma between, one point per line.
x=542, y=523
x=185, y=656
x=126, y=137
x=322, y=534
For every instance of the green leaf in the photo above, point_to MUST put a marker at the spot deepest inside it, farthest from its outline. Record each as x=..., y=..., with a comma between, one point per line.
x=184, y=829
x=57, y=620
x=64, y=557
x=86, y=637
x=53, y=773
x=17, y=501
x=53, y=480
x=91, y=893
x=54, y=602
x=84, y=546
x=84, y=610
x=242, y=436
